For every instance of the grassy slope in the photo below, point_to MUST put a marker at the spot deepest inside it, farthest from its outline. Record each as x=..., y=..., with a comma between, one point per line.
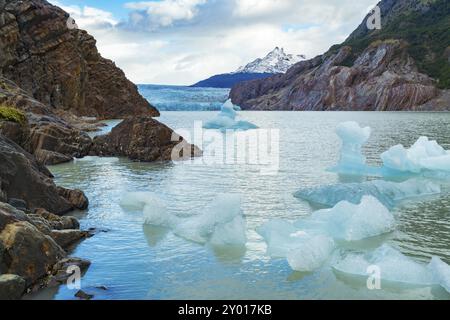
x=428, y=35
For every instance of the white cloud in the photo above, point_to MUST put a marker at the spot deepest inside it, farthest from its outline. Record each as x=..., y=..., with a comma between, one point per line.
x=163, y=13
x=88, y=17
x=184, y=41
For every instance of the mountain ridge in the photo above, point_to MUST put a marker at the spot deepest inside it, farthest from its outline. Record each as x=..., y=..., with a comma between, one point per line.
x=275, y=62
x=403, y=66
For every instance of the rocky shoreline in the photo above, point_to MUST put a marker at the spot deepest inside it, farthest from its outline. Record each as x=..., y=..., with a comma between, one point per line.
x=55, y=87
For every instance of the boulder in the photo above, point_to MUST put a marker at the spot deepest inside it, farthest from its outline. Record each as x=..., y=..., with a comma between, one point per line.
x=54, y=143
x=27, y=252
x=76, y=198
x=12, y=287
x=144, y=139
x=22, y=177
x=66, y=238
x=18, y=204
x=56, y=222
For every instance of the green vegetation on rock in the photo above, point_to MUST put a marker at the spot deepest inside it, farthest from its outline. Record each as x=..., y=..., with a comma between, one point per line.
x=12, y=114
x=427, y=34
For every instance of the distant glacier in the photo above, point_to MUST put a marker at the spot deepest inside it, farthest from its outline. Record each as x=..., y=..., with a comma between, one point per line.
x=180, y=98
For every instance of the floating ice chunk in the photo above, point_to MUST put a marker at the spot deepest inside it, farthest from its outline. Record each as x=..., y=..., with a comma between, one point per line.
x=156, y=214
x=281, y=237
x=226, y=120
x=228, y=110
x=353, y=138
x=423, y=155
x=311, y=254
x=138, y=200
x=222, y=223
x=308, y=242
x=352, y=222
x=388, y=193
x=393, y=265
x=304, y=250
x=441, y=272
x=154, y=208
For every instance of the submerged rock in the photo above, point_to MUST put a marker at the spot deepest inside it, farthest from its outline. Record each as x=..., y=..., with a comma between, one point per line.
x=83, y=295
x=144, y=139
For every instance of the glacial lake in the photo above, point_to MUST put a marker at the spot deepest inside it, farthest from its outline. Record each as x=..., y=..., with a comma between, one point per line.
x=137, y=261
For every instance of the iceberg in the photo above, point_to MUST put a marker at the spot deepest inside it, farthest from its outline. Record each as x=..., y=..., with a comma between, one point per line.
x=226, y=120
x=304, y=251
x=441, y=272
x=311, y=254
x=221, y=223
x=423, y=155
x=394, y=267
x=353, y=137
x=388, y=193
x=352, y=222
x=308, y=242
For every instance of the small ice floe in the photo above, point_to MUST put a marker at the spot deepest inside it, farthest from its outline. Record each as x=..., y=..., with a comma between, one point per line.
x=395, y=268
x=220, y=224
x=352, y=160
x=424, y=155
x=308, y=242
x=226, y=120
x=388, y=193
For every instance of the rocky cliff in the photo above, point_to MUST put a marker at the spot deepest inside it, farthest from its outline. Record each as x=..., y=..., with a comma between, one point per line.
x=403, y=66
x=61, y=67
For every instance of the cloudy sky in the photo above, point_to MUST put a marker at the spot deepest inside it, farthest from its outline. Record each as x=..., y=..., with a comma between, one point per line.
x=184, y=41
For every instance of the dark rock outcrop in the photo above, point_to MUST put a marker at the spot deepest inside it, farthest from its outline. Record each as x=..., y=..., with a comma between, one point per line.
x=45, y=134
x=144, y=139
x=76, y=198
x=399, y=67
x=32, y=250
x=61, y=67
x=12, y=287
x=22, y=177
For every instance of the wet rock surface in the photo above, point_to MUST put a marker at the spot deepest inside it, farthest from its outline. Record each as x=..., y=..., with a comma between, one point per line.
x=144, y=139
x=33, y=251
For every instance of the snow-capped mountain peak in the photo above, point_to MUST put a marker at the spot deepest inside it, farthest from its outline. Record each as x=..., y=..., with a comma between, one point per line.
x=277, y=61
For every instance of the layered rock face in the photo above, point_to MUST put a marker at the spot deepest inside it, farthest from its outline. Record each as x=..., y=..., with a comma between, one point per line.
x=383, y=78
x=45, y=134
x=32, y=249
x=22, y=177
x=144, y=139
x=60, y=67
x=372, y=70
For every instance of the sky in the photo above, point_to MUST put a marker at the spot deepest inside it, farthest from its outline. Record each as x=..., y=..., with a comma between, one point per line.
x=180, y=42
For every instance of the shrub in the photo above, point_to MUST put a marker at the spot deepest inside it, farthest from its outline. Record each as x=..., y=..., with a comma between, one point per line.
x=12, y=114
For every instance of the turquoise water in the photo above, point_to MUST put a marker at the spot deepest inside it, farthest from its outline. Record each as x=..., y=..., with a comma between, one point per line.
x=181, y=98
x=142, y=262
